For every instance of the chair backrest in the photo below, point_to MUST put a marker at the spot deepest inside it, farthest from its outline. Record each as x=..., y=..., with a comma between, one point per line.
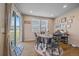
x=11, y=49
x=49, y=41
x=35, y=34
x=18, y=50
x=15, y=50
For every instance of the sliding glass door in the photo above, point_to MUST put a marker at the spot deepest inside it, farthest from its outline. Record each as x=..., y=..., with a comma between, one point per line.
x=15, y=29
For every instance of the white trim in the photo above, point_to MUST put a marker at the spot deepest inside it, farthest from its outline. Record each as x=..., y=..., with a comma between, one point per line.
x=74, y=45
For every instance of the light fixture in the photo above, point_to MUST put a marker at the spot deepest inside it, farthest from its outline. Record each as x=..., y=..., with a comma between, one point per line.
x=65, y=6
x=52, y=15
x=30, y=11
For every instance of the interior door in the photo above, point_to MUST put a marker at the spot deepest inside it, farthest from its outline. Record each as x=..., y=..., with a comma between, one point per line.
x=27, y=31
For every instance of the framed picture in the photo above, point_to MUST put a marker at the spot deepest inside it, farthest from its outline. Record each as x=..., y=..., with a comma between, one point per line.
x=62, y=26
x=70, y=20
x=57, y=26
x=63, y=20
x=68, y=26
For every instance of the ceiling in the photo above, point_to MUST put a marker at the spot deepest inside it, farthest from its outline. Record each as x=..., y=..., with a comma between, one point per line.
x=50, y=10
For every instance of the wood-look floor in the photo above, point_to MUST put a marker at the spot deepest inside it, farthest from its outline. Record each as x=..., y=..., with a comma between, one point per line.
x=68, y=50
x=29, y=49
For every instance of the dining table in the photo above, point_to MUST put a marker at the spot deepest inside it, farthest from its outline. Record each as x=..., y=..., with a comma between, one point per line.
x=45, y=35
x=45, y=38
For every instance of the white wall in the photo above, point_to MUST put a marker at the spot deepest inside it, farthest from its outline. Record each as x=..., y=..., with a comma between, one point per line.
x=2, y=12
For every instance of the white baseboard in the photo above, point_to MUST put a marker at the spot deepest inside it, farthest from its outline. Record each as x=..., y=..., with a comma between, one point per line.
x=30, y=40
x=74, y=45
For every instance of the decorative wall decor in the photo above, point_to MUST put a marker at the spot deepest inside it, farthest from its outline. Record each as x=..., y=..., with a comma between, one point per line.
x=70, y=20
x=62, y=26
x=63, y=20
x=68, y=26
x=57, y=26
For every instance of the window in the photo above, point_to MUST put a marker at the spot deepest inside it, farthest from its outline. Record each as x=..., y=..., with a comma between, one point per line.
x=39, y=25
x=35, y=25
x=44, y=25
